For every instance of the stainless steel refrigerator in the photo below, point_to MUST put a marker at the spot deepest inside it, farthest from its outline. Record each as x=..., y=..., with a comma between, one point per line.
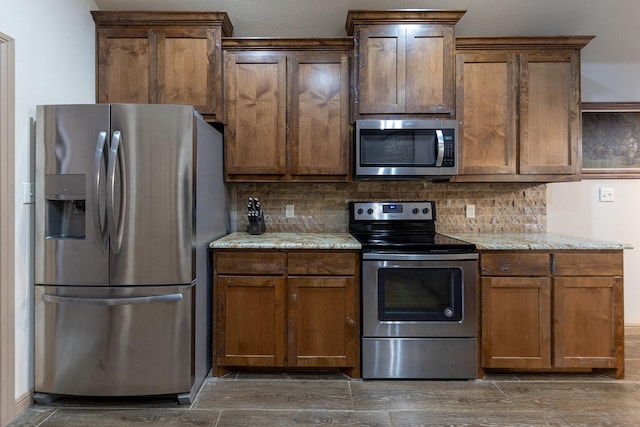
x=128, y=198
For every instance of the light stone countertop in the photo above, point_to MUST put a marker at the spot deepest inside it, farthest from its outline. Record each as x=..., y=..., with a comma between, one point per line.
x=241, y=240
x=483, y=241
x=535, y=241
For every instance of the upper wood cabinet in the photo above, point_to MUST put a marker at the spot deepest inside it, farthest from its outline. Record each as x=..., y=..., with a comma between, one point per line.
x=518, y=104
x=287, y=109
x=161, y=57
x=404, y=61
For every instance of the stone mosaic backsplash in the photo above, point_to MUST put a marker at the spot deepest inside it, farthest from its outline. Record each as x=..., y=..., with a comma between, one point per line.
x=323, y=207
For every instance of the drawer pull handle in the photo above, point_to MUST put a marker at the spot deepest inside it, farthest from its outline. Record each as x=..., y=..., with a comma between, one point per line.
x=55, y=299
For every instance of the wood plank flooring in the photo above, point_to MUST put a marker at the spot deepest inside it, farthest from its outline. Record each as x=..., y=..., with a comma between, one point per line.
x=327, y=399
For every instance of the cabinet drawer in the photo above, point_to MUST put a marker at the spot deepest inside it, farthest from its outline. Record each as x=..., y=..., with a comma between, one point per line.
x=587, y=263
x=514, y=264
x=249, y=263
x=322, y=263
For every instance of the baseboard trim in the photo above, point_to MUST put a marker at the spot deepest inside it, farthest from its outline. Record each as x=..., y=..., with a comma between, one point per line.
x=24, y=402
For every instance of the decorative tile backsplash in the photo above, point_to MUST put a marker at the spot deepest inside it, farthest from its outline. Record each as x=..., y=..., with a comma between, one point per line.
x=323, y=207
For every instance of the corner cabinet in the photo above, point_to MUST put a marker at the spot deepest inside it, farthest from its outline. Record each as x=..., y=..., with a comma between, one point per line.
x=405, y=61
x=287, y=110
x=518, y=104
x=161, y=58
x=287, y=309
x=552, y=311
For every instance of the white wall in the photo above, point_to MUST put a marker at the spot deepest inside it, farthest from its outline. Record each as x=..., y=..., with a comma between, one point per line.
x=54, y=48
x=573, y=208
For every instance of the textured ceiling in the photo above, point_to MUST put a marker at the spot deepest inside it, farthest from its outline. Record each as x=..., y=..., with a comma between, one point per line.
x=614, y=23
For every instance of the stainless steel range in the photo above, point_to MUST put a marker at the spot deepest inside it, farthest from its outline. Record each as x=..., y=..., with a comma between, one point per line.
x=418, y=294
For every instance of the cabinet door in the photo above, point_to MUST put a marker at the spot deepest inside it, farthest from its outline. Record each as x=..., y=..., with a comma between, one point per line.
x=255, y=103
x=516, y=317
x=324, y=309
x=250, y=321
x=550, y=113
x=319, y=142
x=126, y=70
x=406, y=69
x=188, y=64
x=381, y=69
x=430, y=69
x=588, y=325
x=486, y=108
x=322, y=322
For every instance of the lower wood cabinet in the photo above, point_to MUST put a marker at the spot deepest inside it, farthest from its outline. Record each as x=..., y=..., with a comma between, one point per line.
x=552, y=311
x=516, y=322
x=287, y=309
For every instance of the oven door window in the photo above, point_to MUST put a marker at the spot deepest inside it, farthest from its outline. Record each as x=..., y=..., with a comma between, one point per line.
x=420, y=294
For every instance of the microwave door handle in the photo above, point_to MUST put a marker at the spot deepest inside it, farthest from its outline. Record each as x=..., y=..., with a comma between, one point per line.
x=440, y=156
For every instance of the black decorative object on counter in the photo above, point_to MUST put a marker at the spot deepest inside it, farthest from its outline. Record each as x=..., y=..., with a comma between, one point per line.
x=256, y=218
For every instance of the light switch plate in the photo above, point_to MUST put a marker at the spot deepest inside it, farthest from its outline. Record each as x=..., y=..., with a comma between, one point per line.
x=27, y=193
x=606, y=195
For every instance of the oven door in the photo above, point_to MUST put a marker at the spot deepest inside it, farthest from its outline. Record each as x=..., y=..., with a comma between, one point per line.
x=419, y=295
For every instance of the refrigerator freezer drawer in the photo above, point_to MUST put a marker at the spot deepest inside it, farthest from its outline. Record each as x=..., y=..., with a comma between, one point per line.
x=132, y=341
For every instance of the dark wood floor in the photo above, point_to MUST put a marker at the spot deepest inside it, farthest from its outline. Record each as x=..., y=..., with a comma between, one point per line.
x=298, y=400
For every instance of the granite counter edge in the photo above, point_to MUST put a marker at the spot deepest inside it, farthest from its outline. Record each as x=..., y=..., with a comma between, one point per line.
x=535, y=241
x=323, y=241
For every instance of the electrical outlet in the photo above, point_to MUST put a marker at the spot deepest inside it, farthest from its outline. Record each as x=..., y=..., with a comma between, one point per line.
x=606, y=195
x=288, y=211
x=470, y=211
x=27, y=193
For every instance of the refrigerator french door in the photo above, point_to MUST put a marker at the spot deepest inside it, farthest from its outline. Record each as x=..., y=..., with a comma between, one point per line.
x=127, y=199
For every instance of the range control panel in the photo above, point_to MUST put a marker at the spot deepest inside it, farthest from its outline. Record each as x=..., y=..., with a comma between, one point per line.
x=393, y=211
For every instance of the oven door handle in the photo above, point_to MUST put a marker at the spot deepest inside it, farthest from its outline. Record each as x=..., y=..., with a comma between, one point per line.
x=377, y=256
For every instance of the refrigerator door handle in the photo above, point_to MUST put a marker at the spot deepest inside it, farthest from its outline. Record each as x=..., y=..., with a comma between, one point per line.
x=116, y=158
x=55, y=299
x=99, y=158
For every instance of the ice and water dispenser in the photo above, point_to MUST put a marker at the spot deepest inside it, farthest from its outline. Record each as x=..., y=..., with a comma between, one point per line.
x=65, y=198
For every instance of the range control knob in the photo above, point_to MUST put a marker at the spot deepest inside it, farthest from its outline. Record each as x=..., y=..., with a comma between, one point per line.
x=448, y=312
x=360, y=210
x=415, y=211
x=369, y=211
x=425, y=211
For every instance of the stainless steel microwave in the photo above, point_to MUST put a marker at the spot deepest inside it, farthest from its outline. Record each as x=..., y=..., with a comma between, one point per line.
x=401, y=149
